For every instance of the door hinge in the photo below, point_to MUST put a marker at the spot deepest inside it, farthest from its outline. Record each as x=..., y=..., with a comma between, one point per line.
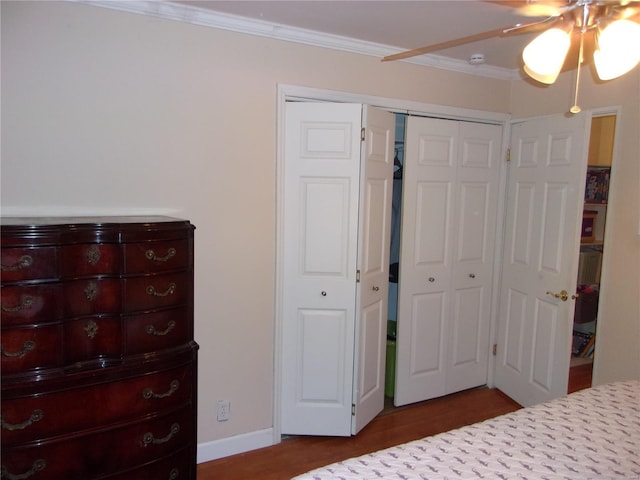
x=495, y=349
x=357, y=276
x=362, y=134
x=353, y=409
x=509, y=154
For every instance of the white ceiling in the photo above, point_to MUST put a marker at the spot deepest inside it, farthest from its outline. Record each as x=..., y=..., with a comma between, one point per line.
x=399, y=24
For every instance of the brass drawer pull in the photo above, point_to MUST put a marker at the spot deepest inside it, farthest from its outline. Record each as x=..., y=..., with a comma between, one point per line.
x=91, y=329
x=148, y=394
x=151, y=255
x=93, y=255
x=23, y=262
x=91, y=291
x=151, y=330
x=148, y=438
x=28, y=345
x=36, y=416
x=37, y=466
x=151, y=290
x=26, y=300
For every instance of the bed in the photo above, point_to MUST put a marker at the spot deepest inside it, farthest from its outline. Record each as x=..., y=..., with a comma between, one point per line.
x=590, y=434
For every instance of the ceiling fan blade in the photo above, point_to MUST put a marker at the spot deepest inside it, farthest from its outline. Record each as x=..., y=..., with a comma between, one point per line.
x=629, y=13
x=533, y=8
x=518, y=28
x=532, y=26
x=446, y=44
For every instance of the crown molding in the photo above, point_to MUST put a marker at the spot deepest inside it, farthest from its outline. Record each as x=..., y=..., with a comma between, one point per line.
x=234, y=23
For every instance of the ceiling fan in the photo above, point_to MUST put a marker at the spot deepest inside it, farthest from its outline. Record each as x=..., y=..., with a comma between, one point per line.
x=608, y=28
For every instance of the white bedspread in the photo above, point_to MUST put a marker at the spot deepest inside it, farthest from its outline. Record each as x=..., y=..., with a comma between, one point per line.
x=591, y=434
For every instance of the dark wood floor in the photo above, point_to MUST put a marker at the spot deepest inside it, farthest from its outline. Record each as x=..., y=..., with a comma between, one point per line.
x=296, y=455
x=580, y=377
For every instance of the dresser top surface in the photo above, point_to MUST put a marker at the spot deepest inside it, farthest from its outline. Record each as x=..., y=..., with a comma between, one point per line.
x=89, y=220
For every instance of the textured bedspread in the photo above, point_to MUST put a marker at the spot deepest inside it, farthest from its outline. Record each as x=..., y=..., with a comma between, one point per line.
x=591, y=434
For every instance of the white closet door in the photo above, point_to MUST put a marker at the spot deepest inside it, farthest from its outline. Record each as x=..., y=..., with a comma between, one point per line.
x=450, y=195
x=477, y=184
x=322, y=173
x=337, y=215
x=376, y=187
x=544, y=205
x=429, y=172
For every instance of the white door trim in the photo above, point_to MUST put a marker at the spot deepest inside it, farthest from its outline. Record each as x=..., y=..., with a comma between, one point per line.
x=292, y=93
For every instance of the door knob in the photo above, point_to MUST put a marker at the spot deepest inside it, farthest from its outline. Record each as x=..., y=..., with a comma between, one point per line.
x=563, y=295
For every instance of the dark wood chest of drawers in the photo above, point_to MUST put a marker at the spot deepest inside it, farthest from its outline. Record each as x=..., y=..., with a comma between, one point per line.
x=98, y=357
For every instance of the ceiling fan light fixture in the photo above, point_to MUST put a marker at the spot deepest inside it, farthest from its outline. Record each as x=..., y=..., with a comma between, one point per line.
x=544, y=56
x=618, y=50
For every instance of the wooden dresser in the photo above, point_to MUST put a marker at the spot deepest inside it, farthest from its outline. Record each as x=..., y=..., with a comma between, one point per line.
x=98, y=357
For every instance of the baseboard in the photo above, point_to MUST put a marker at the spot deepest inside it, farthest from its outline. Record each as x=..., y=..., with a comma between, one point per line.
x=239, y=444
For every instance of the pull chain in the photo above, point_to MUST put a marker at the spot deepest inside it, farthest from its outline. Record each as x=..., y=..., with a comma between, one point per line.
x=576, y=108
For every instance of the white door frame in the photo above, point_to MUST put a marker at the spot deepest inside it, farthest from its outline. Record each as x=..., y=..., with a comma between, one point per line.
x=292, y=93
x=613, y=181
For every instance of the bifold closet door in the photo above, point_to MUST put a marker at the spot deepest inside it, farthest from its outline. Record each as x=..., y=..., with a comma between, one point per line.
x=336, y=214
x=450, y=194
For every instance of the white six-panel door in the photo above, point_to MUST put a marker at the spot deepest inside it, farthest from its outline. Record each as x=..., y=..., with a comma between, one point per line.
x=542, y=234
x=376, y=188
x=450, y=194
x=330, y=320
x=473, y=254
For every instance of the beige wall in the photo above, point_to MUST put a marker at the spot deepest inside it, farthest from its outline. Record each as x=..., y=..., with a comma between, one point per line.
x=618, y=334
x=104, y=111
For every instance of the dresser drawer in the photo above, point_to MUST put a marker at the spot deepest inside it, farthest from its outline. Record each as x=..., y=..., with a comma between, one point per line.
x=26, y=348
x=111, y=450
x=90, y=259
x=92, y=296
x=179, y=466
x=31, y=304
x=156, y=291
x=148, y=332
x=54, y=413
x=156, y=256
x=92, y=337
x=29, y=263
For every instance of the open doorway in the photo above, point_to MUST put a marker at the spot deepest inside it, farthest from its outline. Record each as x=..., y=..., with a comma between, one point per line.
x=599, y=164
x=394, y=260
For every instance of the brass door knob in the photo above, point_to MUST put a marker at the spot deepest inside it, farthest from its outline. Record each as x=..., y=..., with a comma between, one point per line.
x=563, y=295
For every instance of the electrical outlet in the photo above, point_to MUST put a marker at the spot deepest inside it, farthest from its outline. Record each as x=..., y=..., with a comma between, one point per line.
x=223, y=410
